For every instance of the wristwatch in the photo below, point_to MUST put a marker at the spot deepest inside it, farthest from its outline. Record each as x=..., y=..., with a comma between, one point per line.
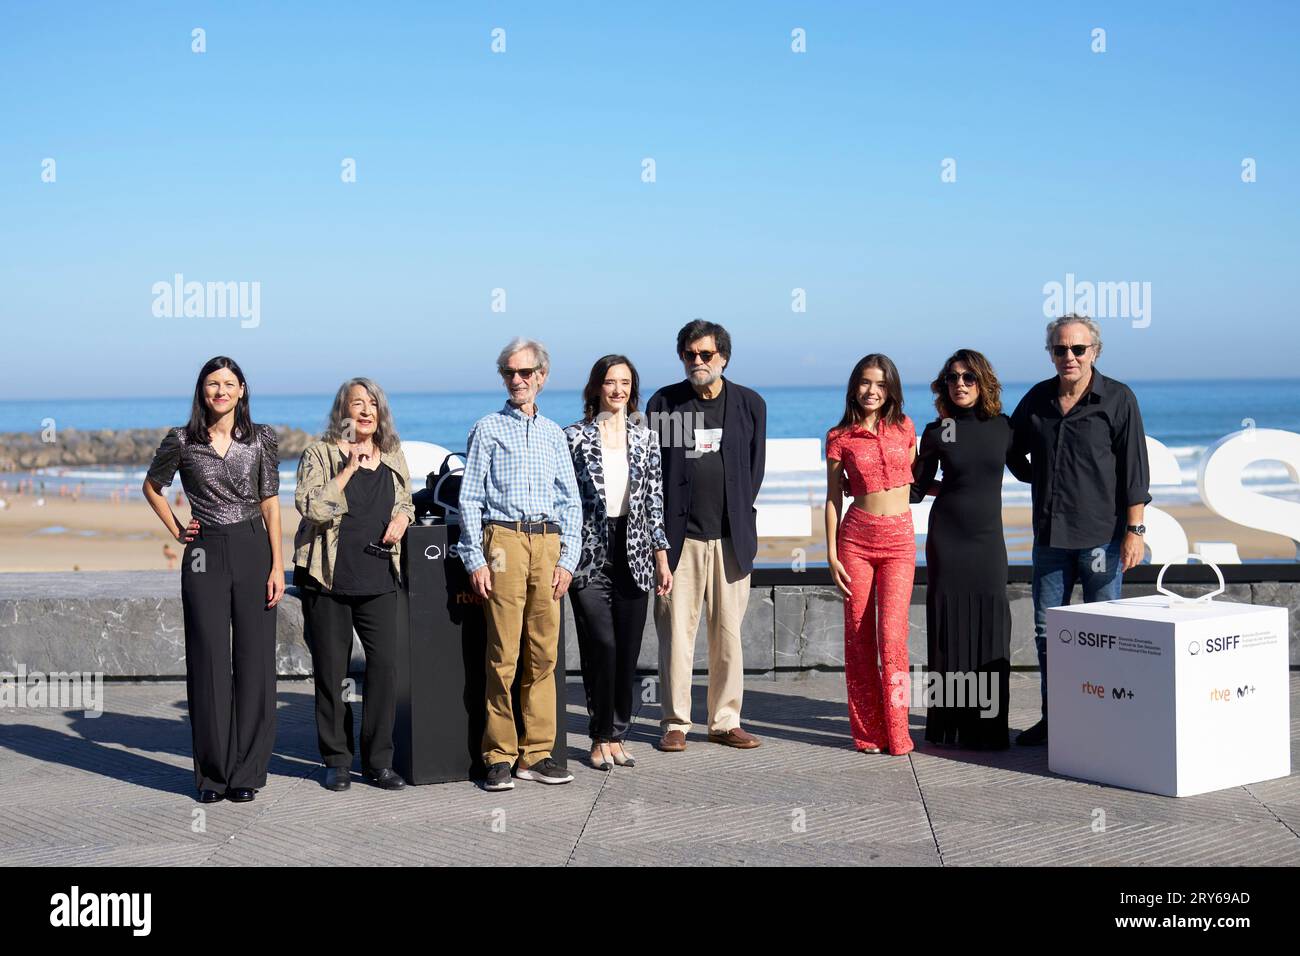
x=1137, y=529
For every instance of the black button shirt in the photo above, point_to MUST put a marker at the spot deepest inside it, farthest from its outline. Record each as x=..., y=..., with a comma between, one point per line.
x=1088, y=466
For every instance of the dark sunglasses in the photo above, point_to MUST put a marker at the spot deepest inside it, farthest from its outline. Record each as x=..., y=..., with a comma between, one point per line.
x=970, y=378
x=1078, y=350
x=509, y=373
x=705, y=356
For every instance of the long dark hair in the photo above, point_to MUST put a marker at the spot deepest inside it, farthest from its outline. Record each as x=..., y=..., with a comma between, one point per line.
x=197, y=429
x=990, y=400
x=892, y=413
x=591, y=394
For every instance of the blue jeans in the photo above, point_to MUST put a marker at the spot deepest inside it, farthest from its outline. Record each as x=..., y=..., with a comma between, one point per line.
x=1055, y=572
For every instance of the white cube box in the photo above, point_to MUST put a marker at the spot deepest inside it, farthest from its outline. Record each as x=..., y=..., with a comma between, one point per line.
x=1168, y=696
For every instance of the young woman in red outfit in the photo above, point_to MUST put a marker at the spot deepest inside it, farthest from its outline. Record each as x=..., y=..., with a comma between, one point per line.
x=872, y=550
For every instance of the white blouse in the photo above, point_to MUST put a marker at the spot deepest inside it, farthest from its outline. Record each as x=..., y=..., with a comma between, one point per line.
x=614, y=463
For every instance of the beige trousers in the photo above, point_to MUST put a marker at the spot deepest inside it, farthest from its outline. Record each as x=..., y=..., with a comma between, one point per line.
x=709, y=579
x=523, y=630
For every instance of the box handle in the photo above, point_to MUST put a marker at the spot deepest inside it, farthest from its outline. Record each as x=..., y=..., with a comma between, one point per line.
x=1178, y=598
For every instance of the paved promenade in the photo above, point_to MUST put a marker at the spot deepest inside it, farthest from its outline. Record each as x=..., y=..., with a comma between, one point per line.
x=117, y=790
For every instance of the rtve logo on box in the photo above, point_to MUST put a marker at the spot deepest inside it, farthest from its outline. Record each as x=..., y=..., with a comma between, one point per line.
x=1089, y=689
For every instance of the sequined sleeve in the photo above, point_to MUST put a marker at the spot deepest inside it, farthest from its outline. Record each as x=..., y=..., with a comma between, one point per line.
x=166, y=459
x=269, y=478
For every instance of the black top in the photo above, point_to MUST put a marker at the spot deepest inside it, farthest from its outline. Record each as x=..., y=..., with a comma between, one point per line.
x=744, y=449
x=1088, y=466
x=370, y=499
x=221, y=490
x=964, y=536
x=703, y=422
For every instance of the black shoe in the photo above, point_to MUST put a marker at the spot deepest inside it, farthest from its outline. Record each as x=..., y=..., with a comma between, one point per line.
x=210, y=796
x=386, y=779
x=498, y=777
x=338, y=778
x=241, y=794
x=1034, y=736
x=545, y=770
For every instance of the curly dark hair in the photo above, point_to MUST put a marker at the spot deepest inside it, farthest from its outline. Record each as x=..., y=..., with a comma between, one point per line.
x=989, y=403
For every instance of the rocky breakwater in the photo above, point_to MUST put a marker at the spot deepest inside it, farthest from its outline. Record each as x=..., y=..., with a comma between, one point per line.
x=24, y=451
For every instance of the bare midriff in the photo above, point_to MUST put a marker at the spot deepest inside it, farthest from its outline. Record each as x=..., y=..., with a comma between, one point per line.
x=887, y=503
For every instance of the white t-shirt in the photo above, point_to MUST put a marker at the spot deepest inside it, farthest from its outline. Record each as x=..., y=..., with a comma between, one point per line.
x=614, y=462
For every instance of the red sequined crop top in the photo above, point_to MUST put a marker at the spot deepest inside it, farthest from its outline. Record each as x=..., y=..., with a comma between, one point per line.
x=874, y=462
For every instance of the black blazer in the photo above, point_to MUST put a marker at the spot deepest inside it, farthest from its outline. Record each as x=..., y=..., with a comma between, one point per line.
x=744, y=448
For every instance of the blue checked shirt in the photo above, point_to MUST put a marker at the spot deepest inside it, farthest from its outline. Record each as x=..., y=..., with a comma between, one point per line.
x=518, y=469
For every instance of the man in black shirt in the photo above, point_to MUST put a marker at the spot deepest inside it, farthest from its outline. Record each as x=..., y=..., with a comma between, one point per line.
x=712, y=436
x=1084, y=435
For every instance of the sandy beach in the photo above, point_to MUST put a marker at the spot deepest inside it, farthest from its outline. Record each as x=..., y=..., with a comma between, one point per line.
x=97, y=535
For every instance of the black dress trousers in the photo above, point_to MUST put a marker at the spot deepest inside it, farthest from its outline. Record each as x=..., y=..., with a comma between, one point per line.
x=609, y=612
x=229, y=654
x=329, y=620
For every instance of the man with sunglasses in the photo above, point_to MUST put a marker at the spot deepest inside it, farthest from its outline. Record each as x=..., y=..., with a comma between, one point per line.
x=713, y=437
x=1083, y=432
x=520, y=540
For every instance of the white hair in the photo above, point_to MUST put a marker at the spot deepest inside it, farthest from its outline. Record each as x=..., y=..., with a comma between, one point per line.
x=1072, y=319
x=518, y=344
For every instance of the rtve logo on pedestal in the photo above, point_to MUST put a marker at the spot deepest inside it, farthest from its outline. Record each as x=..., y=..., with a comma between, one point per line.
x=1089, y=689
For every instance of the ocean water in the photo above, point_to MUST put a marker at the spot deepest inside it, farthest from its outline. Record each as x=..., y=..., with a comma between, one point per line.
x=1187, y=417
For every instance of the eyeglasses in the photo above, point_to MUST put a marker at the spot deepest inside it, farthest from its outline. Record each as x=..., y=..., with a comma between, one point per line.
x=1078, y=350
x=705, y=356
x=509, y=373
x=970, y=378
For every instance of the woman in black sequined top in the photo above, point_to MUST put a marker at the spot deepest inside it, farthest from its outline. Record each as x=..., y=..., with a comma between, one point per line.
x=232, y=578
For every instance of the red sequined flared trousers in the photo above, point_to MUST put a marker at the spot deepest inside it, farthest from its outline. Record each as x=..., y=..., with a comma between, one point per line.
x=879, y=554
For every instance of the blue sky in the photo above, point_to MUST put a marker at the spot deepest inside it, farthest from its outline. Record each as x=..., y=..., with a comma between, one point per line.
x=522, y=170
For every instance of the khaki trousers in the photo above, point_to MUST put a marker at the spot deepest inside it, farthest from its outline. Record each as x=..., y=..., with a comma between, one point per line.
x=707, y=578
x=523, y=631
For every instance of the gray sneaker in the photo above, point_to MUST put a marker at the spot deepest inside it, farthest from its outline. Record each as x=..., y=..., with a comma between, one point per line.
x=544, y=771
x=498, y=777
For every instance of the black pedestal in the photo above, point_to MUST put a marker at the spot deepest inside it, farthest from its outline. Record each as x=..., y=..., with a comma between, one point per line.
x=441, y=679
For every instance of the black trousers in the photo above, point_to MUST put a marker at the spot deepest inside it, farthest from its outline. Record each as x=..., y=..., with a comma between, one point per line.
x=229, y=654
x=328, y=622
x=609, y=612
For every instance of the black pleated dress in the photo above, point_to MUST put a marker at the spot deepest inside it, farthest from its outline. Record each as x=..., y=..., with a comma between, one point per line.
x=968, y=616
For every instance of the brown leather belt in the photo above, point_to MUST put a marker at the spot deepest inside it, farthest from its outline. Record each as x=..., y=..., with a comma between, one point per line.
x=528, y=527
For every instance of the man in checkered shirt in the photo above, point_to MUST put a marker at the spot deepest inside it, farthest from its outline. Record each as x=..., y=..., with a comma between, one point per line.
x=520, y=540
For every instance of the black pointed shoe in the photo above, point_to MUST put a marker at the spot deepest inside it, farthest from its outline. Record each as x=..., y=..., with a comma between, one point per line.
x=386, y=779
x=1034, y=736
x=241, y=794
x=210, y=796
x=338, y=778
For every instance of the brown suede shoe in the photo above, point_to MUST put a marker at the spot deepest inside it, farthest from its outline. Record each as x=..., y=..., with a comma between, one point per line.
x=736, y=738
x=672, y=742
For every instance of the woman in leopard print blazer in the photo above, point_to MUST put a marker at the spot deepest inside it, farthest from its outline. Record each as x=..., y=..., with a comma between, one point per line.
x=624, y=548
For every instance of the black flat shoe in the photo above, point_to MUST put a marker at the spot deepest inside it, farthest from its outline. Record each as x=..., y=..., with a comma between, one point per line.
x=210, y=796
x=338, y=778
x=1035, y=736
x=386, y=779
x=241, y=794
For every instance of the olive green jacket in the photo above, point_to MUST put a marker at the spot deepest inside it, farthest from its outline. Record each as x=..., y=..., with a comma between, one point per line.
x=322, y=506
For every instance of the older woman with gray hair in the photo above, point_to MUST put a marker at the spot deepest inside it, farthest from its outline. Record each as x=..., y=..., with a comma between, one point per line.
x=355, y=499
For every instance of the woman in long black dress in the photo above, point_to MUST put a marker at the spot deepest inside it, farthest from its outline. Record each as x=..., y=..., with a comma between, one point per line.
x=968, y=616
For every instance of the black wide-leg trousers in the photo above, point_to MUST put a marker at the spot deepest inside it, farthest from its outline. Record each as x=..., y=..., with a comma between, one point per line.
x=328, y=622
x=609, y=613
x=229, y=654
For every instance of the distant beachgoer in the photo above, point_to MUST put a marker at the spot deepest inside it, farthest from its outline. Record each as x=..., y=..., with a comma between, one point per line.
x=232, y=578
x=170, y=554
x=1090, y=476
x=872, y=551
